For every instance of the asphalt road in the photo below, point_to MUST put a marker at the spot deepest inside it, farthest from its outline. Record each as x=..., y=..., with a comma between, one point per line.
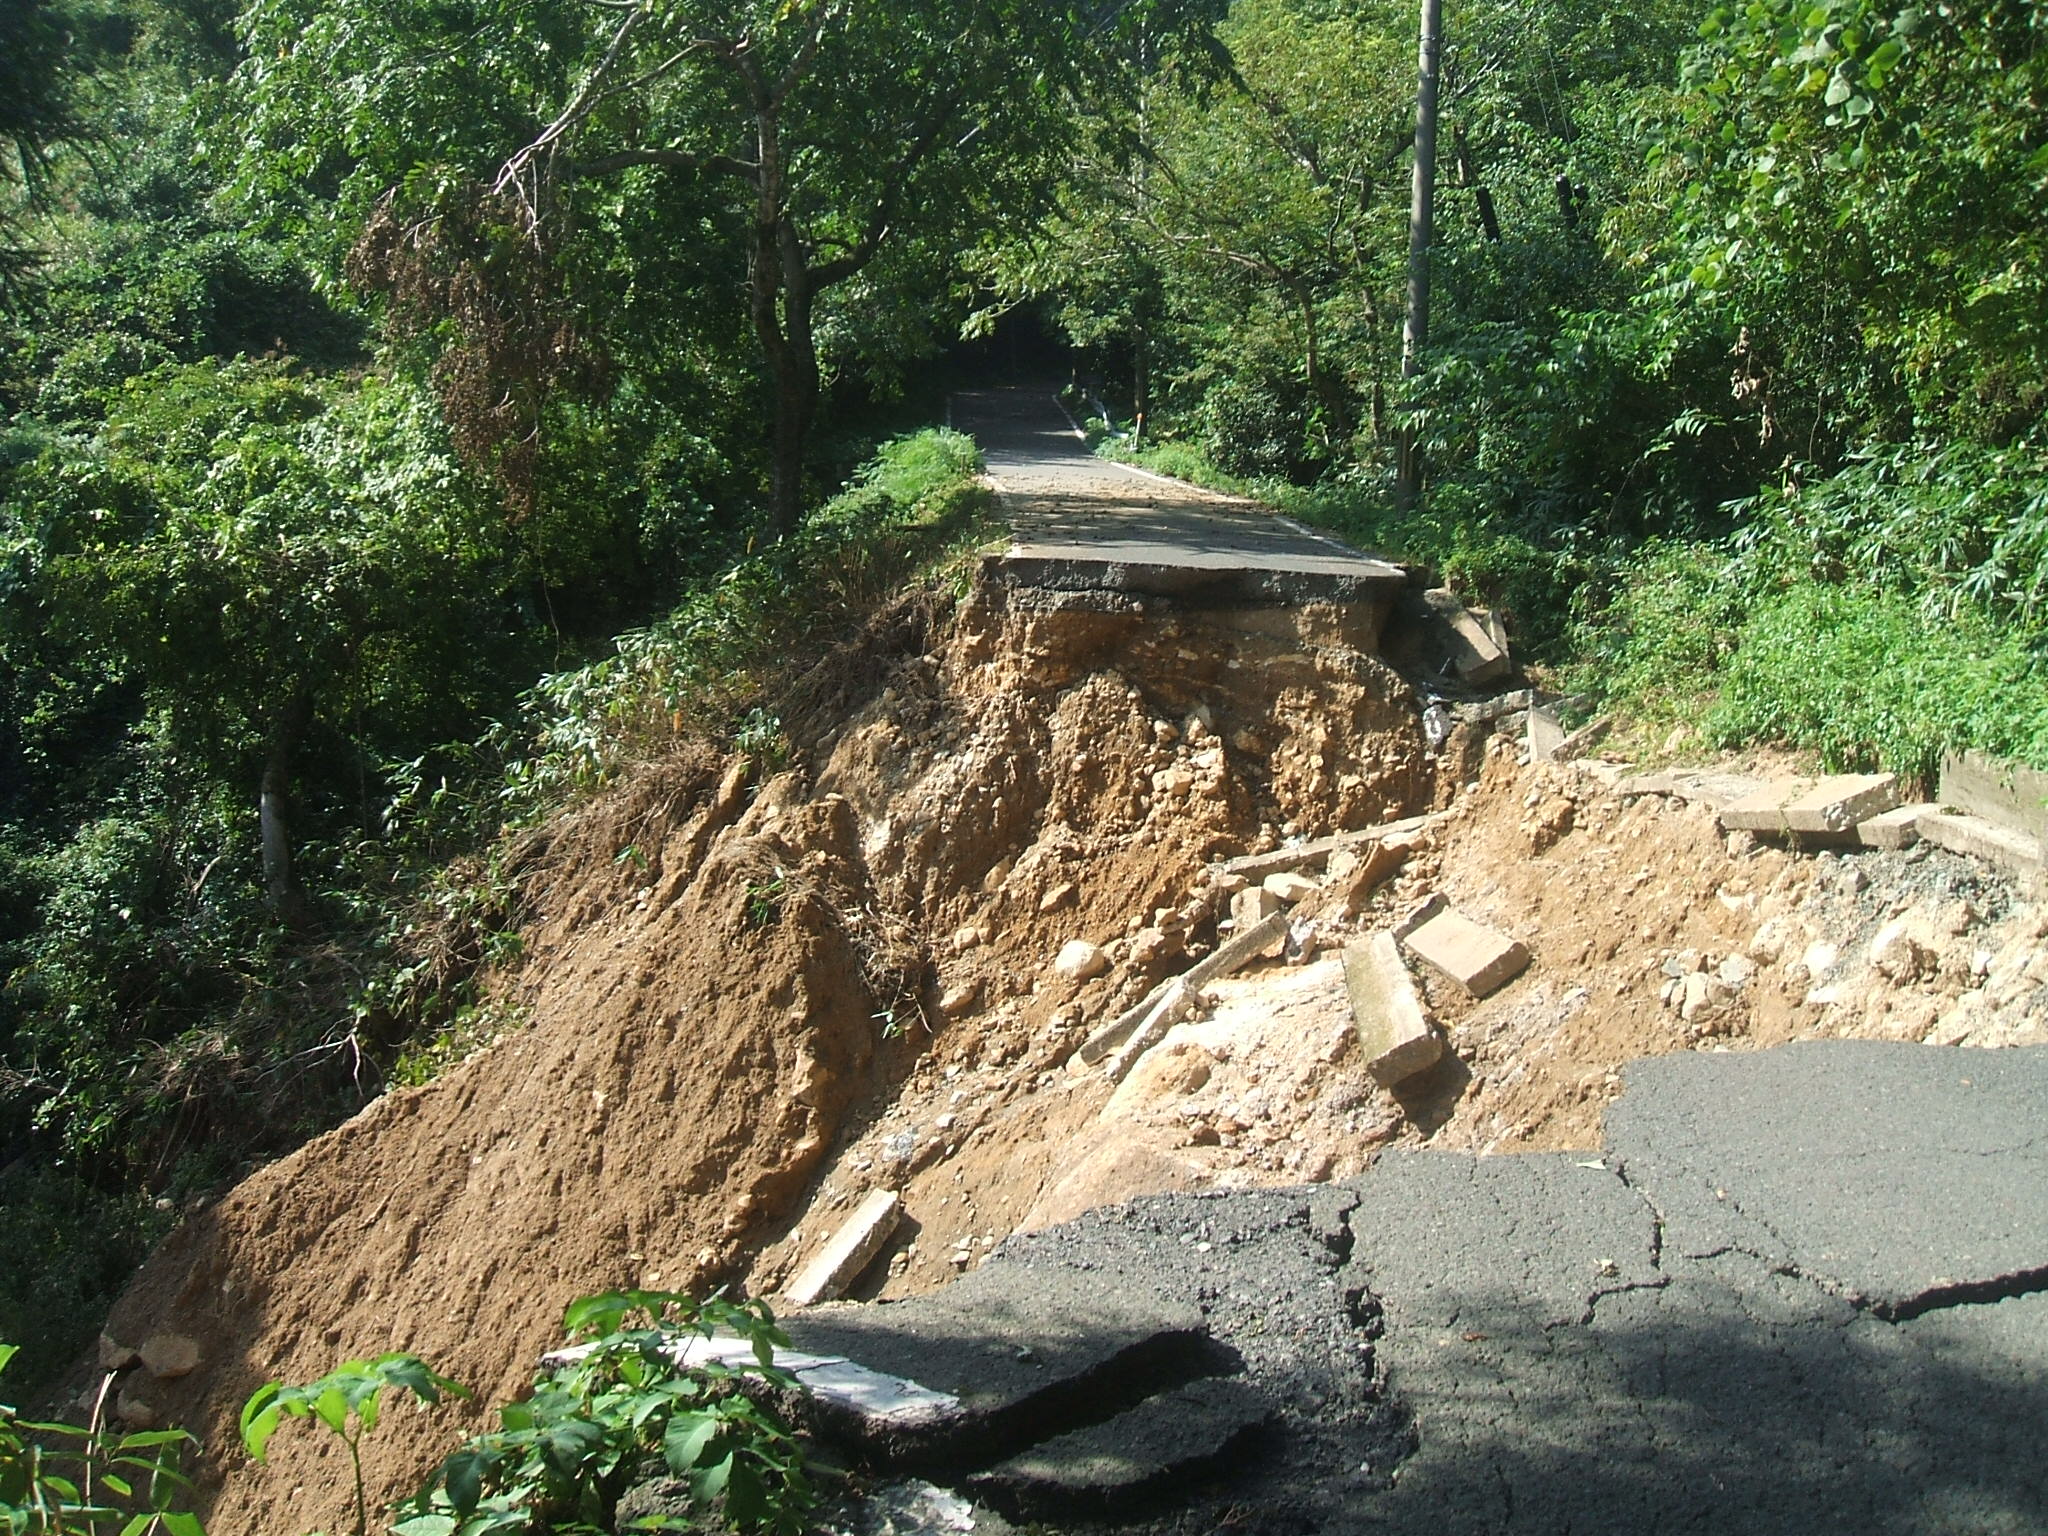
x=1081, y=522
x=1803, y=1291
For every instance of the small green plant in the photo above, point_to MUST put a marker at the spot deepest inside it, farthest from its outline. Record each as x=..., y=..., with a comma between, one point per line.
x=764, y=898
x=626, y=1401
x=759, y=735
x=63, y=1480
x=347, y=1400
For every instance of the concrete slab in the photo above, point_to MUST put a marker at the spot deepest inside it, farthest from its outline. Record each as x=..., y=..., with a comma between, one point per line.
x=1155, y=1449
x=1900, y=1176
x=2014, y=852
x=851, y=1249
x=1476, y=651
x=1696, y=786
x=2005, y=793
x=1896, y=828
x=1479, y=959
x=1824, y=808
x=1393, y=1028
x=1836, y=804
x=1023, y=1357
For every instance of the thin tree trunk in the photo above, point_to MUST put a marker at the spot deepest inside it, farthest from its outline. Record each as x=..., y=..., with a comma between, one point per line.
x=1421, y=220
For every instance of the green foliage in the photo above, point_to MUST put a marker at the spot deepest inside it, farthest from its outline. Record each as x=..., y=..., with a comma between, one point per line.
x=348, y=1401
x=638, y=1393
x=711, y=660
x=75, y=1246
x=59, y=1479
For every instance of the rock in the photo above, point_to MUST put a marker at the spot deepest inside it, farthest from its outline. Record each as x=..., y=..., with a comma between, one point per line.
x=1819, y=959
x=1149, y=946
x=1078, y=960
x=115, y=1356
x=168, y=1356
x=1699, y=992
x=1252, y=906
x=1898, y=956
x=1289, y=888
x=1476, y=957
x=1736, y=970
x=851, y=1249
x=136, y=1412
x=1057, y=896
x=960, y=998
x=1393, y=1029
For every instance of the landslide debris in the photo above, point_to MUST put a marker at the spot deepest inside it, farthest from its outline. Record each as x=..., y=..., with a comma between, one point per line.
x=1006, y=823
x=717, y=1017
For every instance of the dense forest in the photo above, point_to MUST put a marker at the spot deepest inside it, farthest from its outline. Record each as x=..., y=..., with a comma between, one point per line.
x=410, y=407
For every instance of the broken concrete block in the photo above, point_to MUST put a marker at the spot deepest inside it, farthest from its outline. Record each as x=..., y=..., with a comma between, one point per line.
x=1289, y=888
x=1381, y=862
x=1583, y=740
x=1252, y=906
x=167, y=1356
x=1896, y=828
x=1829, y=807
x=1981, y=839
x=1546, y=734
x=1393, y=1029
x=1836, y=804
x=1473, y=651
x=1078, y=960
x=852, y=1248
x=1419, y=914
x=1173, y=1002
x=1265, y=937
x=1476, y=957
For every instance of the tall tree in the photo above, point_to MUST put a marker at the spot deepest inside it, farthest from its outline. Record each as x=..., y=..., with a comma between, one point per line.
x=818, y=138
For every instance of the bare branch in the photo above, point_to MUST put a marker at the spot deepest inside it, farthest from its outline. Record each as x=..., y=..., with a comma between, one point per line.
x=672, y=159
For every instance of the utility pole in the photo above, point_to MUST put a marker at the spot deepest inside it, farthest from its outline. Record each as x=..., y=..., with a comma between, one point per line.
x=1421, y=219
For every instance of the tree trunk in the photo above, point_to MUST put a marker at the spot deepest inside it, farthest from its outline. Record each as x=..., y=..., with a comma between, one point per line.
x=779, y=279
x=1421, y=220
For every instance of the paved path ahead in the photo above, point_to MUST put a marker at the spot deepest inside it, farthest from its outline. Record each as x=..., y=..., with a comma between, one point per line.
x=1083, y=523
x=1801, y=1291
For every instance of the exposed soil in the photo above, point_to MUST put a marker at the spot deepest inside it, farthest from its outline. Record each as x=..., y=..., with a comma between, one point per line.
x=842, y=978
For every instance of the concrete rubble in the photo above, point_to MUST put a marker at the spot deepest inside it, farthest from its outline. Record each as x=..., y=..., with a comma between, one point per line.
x=1479, y=959
x=851, y=1249
x=1393, y=1028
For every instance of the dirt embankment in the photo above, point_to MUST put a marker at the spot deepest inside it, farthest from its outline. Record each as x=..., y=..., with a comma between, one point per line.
x=790, y=993
x=723, y=1013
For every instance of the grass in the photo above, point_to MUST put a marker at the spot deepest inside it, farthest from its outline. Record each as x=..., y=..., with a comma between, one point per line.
x=1878, y=619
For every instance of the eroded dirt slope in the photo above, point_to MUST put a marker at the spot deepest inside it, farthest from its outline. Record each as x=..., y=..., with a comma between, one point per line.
x=792, y=992
x=719, y=1016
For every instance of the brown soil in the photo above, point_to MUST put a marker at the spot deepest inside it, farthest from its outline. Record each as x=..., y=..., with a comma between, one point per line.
x=843, y=979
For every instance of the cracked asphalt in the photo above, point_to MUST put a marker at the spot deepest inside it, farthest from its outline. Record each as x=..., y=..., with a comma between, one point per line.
x=1803, y=1291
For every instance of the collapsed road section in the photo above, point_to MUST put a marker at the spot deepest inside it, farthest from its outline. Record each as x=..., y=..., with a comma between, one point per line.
x=1800, y=1290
